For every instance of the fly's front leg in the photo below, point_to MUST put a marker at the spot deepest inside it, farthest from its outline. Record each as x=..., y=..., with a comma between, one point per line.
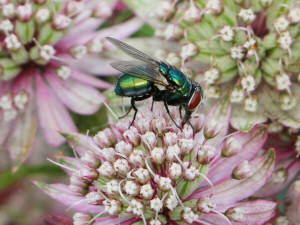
x=168, y=111
x=180, y=109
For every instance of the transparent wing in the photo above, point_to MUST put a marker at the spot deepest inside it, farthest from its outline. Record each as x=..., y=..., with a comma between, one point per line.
x=132, y=51
x=142, y=70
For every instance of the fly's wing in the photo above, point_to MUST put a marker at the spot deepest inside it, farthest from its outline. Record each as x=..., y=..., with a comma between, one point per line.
x=132, y=51
x=143, y=71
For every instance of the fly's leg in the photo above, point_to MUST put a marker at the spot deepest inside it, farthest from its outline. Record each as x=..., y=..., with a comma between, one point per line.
x=152, y=104
x=134, y=107
x=192, y=128
x=180, y=108
x=168, y=111
x=121, y=117
x=135, y=111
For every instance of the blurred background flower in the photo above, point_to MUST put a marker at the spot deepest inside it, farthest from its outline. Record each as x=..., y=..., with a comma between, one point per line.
x=46, y=67
x=250, y=51
x=153, y=173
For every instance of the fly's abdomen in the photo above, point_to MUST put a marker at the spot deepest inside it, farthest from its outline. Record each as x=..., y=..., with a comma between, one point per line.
x=132, y=86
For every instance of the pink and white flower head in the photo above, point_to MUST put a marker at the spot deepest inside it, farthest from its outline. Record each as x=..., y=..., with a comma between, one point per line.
x=173, y=179
x=49, y=50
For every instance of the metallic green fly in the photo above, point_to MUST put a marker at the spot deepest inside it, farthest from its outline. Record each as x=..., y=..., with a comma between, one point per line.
x=149, y=77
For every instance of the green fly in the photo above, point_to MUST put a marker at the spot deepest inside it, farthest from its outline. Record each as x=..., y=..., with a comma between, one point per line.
x=149, y=77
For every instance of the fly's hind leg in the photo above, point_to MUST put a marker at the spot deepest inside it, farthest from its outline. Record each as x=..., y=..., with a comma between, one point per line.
x=133, y=100
x=168, y=111
x=121, y=117
x=135, y=111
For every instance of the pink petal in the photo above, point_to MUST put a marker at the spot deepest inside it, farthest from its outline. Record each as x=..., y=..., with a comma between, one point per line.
x=292, y=200
x=254, y=213
x=120, y=31
x=114, y=220
x=58, y=220
x=229, y=190
x=61, y=193
x=91, y=64
x=5, y=129
x=85, y=22
x=90, y=80
x=70, y=162
x=251, y=143
x=218, y=117
x=80, y=98
x=23, y=136
x=81, y=143
x=53, y=116
x=272, y=188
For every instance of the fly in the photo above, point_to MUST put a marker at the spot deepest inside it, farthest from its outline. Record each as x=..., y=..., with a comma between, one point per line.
x=149, y=77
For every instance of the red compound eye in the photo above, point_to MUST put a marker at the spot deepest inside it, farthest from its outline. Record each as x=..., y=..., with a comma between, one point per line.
x=194, y=101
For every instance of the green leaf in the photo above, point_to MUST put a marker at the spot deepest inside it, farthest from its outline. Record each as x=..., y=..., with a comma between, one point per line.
x=186, y=188
x=25, y=30
x=8, y=178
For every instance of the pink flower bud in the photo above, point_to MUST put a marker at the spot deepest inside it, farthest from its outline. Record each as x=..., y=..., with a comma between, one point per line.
x=231, y=147
x=105, y=138
x=132, y=136
x=242, y=171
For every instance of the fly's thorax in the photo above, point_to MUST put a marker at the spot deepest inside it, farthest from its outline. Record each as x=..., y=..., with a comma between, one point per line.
x=164, y=69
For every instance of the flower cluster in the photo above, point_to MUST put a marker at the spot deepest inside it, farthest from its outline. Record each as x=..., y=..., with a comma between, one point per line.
x=46, y=50
x=154, y=173
x=252, y=48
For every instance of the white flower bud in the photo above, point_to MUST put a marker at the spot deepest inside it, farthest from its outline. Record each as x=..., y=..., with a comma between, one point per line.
x=156, y=204
x=63, y=72
x=106, y=169
x=189, y=216
x=294, y=15
x=287, y=102
x=188, y=51
x=227, y=33
x=137, y=158
x=237, y=95
x=112, y=187
x=21, y=99
x=79, y=51
x=242, y=171
x=247, y=15
x=131, y=188
x=211, y=75
x=175, y=171
x=147, y=191
x=281, y=24
x=283, y=81
x=8, y=10
x=6, y=26
x=285, y=40
x=122, y=166
x=172, y=151
x=42, y=15
x=173, y=31
x=237, y=52
x=157, y=155
x=248, y=83
x=12, y=42
x=46, y=52
x=251, y=104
